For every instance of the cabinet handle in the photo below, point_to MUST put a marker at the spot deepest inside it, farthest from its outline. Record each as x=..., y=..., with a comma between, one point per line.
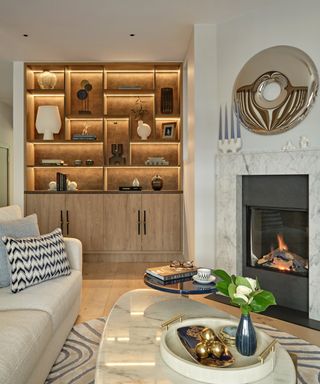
x=144, y=222
x=61, y=221
x=139, y=222
x=67, y=222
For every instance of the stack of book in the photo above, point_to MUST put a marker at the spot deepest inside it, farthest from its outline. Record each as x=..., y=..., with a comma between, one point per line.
x=167, y=273
x=61, y=181
x=81, y=137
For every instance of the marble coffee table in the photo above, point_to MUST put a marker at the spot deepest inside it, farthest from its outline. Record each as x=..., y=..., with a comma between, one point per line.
x=129, y=351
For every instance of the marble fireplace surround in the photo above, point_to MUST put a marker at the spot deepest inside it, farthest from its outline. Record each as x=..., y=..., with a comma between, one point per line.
x=229, y=171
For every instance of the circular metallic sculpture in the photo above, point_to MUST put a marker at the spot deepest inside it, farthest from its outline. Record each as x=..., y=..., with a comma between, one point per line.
x=275, y=90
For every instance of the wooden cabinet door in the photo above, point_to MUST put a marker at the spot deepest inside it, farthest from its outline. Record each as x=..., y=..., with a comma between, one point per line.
x=122, y=227
x=161, y=229
x=84, y=213
x=49, y=209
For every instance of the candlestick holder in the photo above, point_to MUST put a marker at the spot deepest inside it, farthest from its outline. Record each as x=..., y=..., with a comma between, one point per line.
x=233, y=144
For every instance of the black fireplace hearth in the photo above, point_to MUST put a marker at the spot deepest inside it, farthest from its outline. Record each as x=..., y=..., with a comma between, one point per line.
x=275, y=236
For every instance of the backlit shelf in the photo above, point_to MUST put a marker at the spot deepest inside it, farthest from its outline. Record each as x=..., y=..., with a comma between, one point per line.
x=65, y=142
x=65, y=166
x=45, y=92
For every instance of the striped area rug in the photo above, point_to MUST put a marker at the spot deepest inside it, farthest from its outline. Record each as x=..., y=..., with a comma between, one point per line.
x=77, y=359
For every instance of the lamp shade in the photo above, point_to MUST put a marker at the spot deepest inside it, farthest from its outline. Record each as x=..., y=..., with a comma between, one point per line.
x=48, y=121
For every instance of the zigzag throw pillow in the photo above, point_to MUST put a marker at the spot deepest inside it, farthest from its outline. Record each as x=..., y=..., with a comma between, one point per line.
x=36, y=259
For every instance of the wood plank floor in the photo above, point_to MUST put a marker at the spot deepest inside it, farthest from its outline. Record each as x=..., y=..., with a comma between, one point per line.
x=104, y=283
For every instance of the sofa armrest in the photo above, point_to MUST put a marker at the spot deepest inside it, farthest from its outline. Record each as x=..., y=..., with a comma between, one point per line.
x=74, y=252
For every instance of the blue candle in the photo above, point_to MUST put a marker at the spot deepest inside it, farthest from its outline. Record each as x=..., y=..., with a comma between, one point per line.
x=226, y=134
x=232, y=122
x=220, y=124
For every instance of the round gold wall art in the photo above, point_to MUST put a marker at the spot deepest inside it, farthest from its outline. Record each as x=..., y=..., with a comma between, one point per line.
x=275, y=90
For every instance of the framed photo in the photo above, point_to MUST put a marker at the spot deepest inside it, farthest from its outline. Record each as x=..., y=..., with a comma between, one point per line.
x=169, y=130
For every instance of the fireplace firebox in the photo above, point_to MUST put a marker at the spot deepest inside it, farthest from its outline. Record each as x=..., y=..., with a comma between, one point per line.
x=275, y=236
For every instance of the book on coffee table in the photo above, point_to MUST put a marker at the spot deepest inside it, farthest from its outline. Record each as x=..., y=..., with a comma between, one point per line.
x=167, y=273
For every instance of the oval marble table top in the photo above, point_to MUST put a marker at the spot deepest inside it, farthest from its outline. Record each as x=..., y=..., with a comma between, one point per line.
x=129, y=350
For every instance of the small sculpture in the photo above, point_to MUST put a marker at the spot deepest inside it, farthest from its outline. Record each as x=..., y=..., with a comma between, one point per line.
x=117, y=152
x=52, y=186
x=143, y=129
x=157, y=183
x=304, y=142
x=135, y=182
x=83, y=96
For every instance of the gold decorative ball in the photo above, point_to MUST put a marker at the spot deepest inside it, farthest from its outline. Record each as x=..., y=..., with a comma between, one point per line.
x=216, y=349
x=207, y=334
x=202, y=350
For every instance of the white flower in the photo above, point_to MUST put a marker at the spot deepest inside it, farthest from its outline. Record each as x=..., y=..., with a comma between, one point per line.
x=252, y=282
x=243, y=290
x=241, y=296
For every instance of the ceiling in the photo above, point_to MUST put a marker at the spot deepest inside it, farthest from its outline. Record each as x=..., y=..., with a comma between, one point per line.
x=98, y=30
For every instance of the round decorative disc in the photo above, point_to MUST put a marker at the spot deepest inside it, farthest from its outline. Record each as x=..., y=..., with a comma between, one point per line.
x=84, y=83
x=88, y=87
x=275, y=90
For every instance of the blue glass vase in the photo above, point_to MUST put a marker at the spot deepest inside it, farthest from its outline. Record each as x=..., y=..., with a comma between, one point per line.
x=246, y=339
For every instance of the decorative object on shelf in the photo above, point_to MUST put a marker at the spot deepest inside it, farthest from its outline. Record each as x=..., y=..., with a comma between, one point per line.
x=89, y=162
x=47, y=80
x=130, y=188
x=157, y=183
x=83, y=96
x=61, y=181
x=77, y=162
x=166, y=101
x=52, y=162
x=304, y=142
x=72, y=185
x=156, y=161
x=247, y=294
x=117, y=152
x=48, y=121
x=233, y=144
x=135, y=182
x=84, y=136
x=143, y=130
x=138, y=110
x=275, y=90
x=52, y=186
x=168, y=130
x=289, y=146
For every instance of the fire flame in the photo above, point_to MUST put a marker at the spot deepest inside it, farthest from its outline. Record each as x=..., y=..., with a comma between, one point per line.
x=281, y=243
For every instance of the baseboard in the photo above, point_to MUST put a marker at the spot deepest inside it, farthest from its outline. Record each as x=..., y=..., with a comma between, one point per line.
x=278, y=312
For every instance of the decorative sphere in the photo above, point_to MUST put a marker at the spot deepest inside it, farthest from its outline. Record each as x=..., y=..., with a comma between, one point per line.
x=202, y=350
x=216, y=349
x=207, y=334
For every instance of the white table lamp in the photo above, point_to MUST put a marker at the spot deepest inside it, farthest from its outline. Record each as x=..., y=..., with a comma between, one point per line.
x=48, y=121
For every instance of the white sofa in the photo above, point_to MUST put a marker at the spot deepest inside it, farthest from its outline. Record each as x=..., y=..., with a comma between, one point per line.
x=35, y=323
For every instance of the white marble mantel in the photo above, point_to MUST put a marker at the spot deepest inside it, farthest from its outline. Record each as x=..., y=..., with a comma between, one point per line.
x=229, y=172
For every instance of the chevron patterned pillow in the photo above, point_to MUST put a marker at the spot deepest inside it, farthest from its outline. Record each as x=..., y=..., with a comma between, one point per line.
x=36, y=259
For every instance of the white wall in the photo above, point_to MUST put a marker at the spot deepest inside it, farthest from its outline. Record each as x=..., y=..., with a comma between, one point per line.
x=290, y=22
x=6, y=139
x=199, y=136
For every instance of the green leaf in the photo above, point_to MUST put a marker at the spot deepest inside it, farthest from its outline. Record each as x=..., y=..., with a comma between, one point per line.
x=242, y=281
x=222, y=286
x=231, y=290
x=262, y=301
x=238, y=301
x=222, y=274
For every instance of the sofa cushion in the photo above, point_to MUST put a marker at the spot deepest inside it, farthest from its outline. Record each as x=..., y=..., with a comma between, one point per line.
x=28, y=226
x=36, y=259
x=24, y=336
x=12, y=212
x=54, y=297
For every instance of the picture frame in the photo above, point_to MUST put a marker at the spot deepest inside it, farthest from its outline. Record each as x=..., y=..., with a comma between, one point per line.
x=169, y=130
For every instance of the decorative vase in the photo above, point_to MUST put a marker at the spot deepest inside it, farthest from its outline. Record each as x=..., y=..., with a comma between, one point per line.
x=157, y=183
x=47, y=80
x=143, y=130
x=246, y=339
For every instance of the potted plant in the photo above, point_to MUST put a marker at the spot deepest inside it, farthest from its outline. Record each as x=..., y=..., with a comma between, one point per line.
x=246, y=293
